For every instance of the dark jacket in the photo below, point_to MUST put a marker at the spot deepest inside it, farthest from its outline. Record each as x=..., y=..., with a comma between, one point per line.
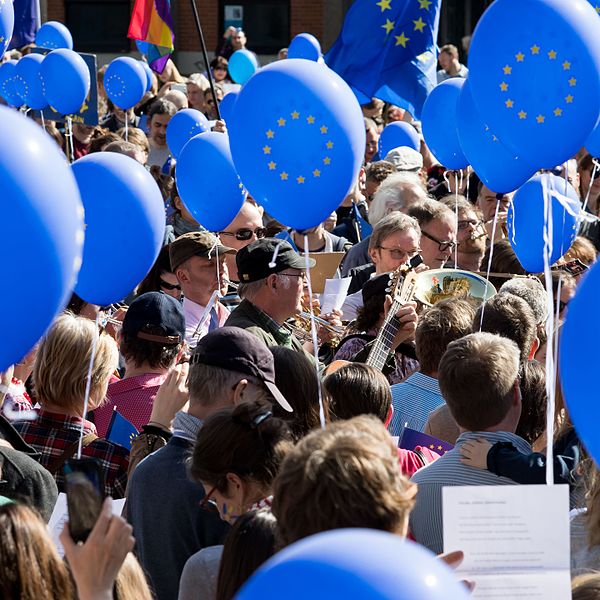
x=163, y=506
x=360, y=276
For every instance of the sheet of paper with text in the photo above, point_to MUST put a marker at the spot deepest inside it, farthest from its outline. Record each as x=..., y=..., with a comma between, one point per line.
x=515, y=539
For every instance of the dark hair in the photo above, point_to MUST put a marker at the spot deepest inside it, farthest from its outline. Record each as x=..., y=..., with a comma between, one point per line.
x=296, y=378
x=510, y=317
x=358, y=389
x=98, y=144
x=443, y=323
x=76, y=304
x=250, y=542
x=161, y=107
x=246, y=440
x=155, y=354
x=162, y=264
x=219, y=61
x=368, y=315
x=532, y=422
x=379, y=170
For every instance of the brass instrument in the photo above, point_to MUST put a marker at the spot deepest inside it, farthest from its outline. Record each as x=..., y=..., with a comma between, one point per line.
x=300, y=326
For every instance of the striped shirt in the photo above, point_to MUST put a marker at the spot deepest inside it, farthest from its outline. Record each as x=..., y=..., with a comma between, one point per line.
x=413, y=400
x=426, y=517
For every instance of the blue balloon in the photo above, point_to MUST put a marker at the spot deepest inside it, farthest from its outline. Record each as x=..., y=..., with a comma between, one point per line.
x=579, y=338
x=125, y=225
x=54, y=35
x=398, y=134
x=440, y=127
x=7, y=24
x=242, y=65
x=8, y=89
x=42, y=255
x=298, y=140
x=207, y=181
x=125, y=82
x=540, y=87
x=226, y=106
x=525, y=220
x=28, y=81
x=498, y=168
x=306, y=46
x=143, y=47
x=66, y=80
x=149, y=75
x=354, y=563
x=182, y=127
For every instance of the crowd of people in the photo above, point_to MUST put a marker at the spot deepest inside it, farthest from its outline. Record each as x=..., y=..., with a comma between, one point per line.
x=251, y=437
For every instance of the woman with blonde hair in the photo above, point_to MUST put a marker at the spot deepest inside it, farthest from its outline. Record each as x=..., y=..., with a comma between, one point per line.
x=60, y=377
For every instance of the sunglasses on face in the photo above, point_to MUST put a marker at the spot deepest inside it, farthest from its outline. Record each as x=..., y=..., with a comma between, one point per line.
x=245, y=234
x=169, y=286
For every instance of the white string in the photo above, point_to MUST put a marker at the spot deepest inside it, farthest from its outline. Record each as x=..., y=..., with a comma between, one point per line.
x=273, y=262
x=456, y=214
x=447, y=180
x=204, y=316
x=43, y=120
x=313, y=330
x=550, y=373
x=126, y=127
x=69, y=134
x=88, y=384
x=489, y=266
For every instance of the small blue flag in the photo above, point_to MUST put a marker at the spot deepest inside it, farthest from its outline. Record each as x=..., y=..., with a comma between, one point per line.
x=364, y=226
x=27, y=22
x=120, y=430
x=387, y=49
x=411, y=438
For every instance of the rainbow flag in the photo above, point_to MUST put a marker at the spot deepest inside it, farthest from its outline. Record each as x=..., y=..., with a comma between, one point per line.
x=151, y=23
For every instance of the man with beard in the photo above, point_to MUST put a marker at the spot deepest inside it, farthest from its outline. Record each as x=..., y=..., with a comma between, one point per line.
x=159, y=115
x=471, y=235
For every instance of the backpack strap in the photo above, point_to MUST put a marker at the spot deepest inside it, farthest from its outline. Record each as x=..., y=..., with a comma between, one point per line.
x=58, y=461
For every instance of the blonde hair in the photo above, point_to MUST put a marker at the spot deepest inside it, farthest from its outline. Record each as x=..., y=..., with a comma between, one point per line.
x=586, y=587
x=345, y=475
x=61, y=366
x=131, y=582
x=136, y=136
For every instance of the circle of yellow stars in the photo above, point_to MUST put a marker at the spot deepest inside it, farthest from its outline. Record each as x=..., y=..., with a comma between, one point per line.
x=282, y=122
x=550, y=55
x=418, y=24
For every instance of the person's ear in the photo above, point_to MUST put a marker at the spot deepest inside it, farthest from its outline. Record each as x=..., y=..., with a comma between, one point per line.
x=240, y=391
x=517, y=397
x=272, y=281
x=374, y=255
x=534, y=348
x=234, y=483
x=182, y=275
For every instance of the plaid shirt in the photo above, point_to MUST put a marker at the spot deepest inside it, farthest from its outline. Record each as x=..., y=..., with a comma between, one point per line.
x=52, y=433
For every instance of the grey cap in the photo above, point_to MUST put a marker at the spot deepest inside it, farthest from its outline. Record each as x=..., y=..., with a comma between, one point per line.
x=405, y=159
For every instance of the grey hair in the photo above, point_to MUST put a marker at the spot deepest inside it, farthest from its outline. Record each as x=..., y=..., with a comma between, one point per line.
x=248, y=291
x=392, y=193
x=532, y=291
x=210, y=386
x=392, y=223
x=200, y=80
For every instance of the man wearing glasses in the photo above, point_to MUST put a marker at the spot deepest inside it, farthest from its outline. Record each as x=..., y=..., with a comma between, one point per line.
x=271, y=278
x=438, y=232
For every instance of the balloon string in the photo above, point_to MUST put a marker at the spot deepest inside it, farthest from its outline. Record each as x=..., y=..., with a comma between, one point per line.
x=489, y=266
x=69, y=134
x=587, y=196
x=313, y=331
x=126, y=127
x=456, y=213
x=43, y=120
x=88, y=383
x=550, y=372
x=447, y=180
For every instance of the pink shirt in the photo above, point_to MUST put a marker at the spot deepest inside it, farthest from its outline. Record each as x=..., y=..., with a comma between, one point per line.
x=133, y=397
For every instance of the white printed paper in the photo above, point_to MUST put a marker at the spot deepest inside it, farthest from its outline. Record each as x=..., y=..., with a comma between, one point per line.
x=515, y=539
x=334, y=294
x=60, y=515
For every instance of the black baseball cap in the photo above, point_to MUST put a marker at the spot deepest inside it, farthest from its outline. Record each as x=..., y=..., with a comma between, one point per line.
x=195, y=243
x=155, y=311
x=267, y=256
x=236, y=349
x=376, y=286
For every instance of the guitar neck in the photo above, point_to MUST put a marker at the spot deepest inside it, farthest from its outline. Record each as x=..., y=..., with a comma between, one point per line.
x=385, y=338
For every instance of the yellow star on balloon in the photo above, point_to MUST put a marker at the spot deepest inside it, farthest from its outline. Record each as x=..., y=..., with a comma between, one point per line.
x=272, y=166
x=522, y=115
x=284, y=176
x=552, y=54
x=507, y=70
x=329, y=145
x=425, y=4
x=569, y=99
x=1, y=39
x=389, y=26
x=509, y=103
x=300, y=179
x=327, y=160
x=281, y=122
x=504, y=86
x=535, y=49
x=401, y=40
x=384, y=5
x=295, y=115
x=310, y=120
x=566, y=65
x=419, y=24
x=558, y=112
x=572, y=81
x=323, y=129
x=316, y=173
x=270, y=134
x=520, y=57
x=266, y=149
x=540, y=118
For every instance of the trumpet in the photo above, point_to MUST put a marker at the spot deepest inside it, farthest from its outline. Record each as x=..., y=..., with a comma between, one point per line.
x=300, y=326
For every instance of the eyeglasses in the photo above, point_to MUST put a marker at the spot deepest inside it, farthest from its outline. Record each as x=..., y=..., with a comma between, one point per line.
x=301, y=275
x=207, y=503
x=245, y=234
x=462, y=225
x=399, y=254
x=169, y=286
x=220, y=69
x=442, y=245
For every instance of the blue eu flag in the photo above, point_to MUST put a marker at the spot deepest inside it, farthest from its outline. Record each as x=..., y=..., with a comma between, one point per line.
x=411, y=438
x=120, y=430
x=387, y=49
